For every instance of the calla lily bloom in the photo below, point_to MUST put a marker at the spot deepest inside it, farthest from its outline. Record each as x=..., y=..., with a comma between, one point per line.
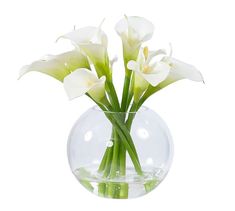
x=133, y=31
x=83, y=81
x=93, y=42
x=58, y=66
x=180, y=70
x=146, y=71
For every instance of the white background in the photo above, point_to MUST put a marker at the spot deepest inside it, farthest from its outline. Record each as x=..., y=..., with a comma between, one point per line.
x=35, y=115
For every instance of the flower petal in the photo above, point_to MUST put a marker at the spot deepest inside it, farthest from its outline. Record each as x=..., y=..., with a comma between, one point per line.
x=92, y=41
x=141, y=58
x=57, y=66
x=141, y=84
x=181, y=70
x=79, y=82
x=50, y=67
x=131, y=49
x=152, y=54
x=138, y=27
x=159, y=74
x=73, y=60
x=96, y=52
x=133, y=65
x=87, y=35
x=97, y=92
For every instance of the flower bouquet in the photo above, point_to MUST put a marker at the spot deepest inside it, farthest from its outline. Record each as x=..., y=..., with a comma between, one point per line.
x=119, y=170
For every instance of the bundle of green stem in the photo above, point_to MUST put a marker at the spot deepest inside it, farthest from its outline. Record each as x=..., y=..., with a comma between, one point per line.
x=113, y=164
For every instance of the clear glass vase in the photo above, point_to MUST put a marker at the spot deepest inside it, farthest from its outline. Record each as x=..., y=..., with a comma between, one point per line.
x=120, y=155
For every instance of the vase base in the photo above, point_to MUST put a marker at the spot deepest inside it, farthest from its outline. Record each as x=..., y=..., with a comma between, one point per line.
x=131, y=185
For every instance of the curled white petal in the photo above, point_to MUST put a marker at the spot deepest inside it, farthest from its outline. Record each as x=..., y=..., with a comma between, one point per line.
x=135, y=28
x=51, y=67
x=82, y=81
x=152, y=54
x=97, y=92
x=87, y=35
x=141, y=58
x=133, y=65
x=91, y=40
x=57, y=66
x=182, y=70
x=152, y=74
x=95, y=52
x=159, y=74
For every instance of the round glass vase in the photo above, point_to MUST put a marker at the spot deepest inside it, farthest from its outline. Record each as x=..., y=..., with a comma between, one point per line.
x=120, y=155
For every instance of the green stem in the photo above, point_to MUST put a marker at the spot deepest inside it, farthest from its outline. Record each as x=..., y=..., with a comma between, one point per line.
x=110, y=157
x=115, y=161
x=102, y=187
x=126, y=99
x=123, y=134
x=126, y=139
x=113, y=95
x=103, y=162
x=124, y=106
x=87, y=185
x=104, y=167
x=122, y=126
x=120, y=122
x=134, y=108
x=113, y=188
x=108, y=163
x=122, y=160
x=131, y=91
x=131, y=116
x=125, y=93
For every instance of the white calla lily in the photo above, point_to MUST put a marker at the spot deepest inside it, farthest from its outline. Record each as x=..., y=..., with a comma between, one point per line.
x=178, y=70
x=92, y=41
x=146, y=72
x=181, y=70
x=134, y=30
x=83, y=81
x=58, y=66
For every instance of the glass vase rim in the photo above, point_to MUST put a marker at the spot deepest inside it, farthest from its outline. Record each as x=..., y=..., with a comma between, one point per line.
x=140, y=110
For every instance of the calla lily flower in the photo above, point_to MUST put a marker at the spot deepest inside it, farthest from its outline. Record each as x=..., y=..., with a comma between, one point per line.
x=181, y=70
x=58, y=66
x=92, y=41
x=178, y=70
x=83, y=81
x=146, y=71
x=133, y=31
